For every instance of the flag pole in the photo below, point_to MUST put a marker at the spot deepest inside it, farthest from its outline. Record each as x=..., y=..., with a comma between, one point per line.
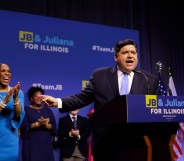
x=169, y=71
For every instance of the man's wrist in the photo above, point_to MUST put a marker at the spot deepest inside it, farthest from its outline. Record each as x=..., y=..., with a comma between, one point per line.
x=78, y=137
x=70, y=134
x=37, y=124
x=59, y=105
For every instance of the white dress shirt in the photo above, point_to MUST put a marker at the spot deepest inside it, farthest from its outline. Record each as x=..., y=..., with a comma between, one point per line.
x=130, y=79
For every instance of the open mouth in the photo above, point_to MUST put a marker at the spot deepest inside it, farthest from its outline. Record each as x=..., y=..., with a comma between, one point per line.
x=6, y=79
x=129, y=62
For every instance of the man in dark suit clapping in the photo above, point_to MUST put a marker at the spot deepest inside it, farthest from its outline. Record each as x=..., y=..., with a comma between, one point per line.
x=73, y=133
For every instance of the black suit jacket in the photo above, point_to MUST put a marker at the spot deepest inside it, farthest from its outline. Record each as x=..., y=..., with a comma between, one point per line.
x=66, y=143
x=103, y=87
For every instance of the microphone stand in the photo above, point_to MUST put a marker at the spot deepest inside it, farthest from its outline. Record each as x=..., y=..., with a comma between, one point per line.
x=147, y=80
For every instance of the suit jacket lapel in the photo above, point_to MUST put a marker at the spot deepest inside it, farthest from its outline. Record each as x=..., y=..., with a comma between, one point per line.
x=113, y=79
x=78, y=121
x=135, y=83
x=70, y=121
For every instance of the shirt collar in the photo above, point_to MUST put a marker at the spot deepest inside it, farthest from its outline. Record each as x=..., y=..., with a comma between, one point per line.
x=71, y=116
x=120, y=73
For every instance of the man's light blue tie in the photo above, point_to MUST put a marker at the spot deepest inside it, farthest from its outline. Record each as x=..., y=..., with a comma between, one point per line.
x=124, y=84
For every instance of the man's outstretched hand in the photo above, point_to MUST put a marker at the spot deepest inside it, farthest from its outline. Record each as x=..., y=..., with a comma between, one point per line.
x=49, y=100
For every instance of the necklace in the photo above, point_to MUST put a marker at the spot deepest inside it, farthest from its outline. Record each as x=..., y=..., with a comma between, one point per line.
x=36, y=108
x=2, y=97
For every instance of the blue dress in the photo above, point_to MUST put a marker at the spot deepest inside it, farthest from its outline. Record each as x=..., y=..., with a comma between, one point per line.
x=9, y=139
x=37, y=143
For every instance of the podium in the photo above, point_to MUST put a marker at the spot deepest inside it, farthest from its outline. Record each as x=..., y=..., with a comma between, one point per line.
x=155, y=117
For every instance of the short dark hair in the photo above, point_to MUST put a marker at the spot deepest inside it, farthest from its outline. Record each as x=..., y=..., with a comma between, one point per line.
x=33, y=90
x=122, y=43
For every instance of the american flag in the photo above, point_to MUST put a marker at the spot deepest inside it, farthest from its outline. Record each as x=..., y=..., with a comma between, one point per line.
x=178, y=143
x=161, y=86
x=172, y=86
x=179, y=137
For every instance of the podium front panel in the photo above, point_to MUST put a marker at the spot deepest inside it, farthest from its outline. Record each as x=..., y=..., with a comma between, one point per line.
x=153, y=108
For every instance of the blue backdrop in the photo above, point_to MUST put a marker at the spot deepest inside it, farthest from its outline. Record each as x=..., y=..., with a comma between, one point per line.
x=58, y=55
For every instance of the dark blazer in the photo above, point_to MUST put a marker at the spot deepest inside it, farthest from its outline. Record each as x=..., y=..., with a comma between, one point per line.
x=66, y=143
x=103, y=87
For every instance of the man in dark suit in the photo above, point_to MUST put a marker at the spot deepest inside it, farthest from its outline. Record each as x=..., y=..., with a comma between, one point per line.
x=73, y=133
x=104, y=85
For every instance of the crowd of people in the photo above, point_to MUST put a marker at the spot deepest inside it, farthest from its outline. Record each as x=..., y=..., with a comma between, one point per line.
x=35, y=126
x=37, y=123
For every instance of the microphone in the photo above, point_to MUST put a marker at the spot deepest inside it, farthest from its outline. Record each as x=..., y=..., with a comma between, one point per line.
x=147, y=80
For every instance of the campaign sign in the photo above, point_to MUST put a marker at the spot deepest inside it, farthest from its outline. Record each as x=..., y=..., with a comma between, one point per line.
x=153, y=108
